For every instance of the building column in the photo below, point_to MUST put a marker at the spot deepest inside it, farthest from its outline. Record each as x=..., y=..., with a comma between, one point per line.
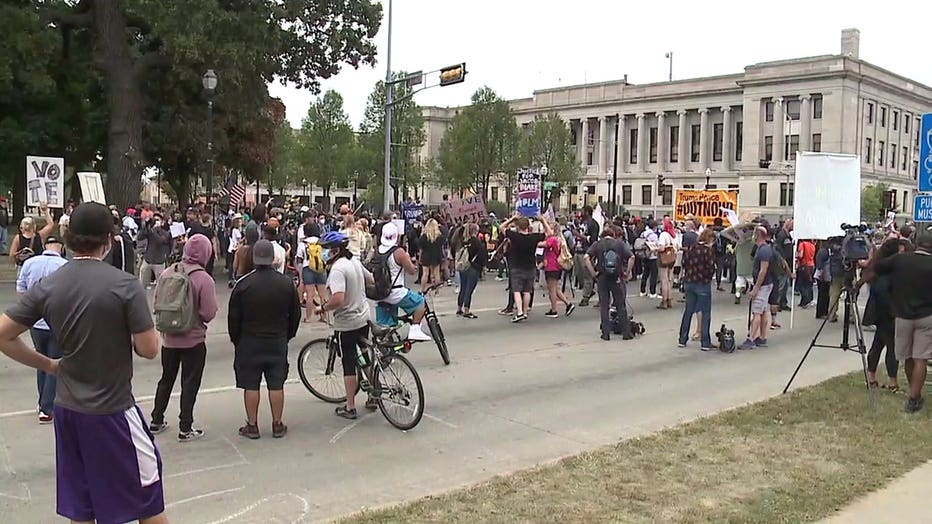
x=661, y=141
x=704, y=138
x=642, y=140
x=779, y=119
x=683, y=141
x=622, y=144
x=584, y=157
x=604, y=142
x=805, y=123
x=726, y=139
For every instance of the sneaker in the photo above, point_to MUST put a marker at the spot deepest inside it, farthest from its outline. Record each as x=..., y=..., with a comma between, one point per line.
x=346, y=413
x=776, y=326
x=250, y=431
x=45, y=418
x=570, y=308
x=279, y=429
x=760, y=342
x=459, y=312
x=680, y=344
x=506, y=312
x=642, y=294
x=707, y=348
x=653, y=295
x=584, y=302
x=748, y=344
x=499, y=279
x=417, y=334
x=518, y=318
x=914, y=404
x=551, y=314
x=157, y=428
x=605, y=337
x=188, y=436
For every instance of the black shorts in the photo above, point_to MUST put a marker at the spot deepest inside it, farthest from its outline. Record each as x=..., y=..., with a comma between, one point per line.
x=553, y=275
x=256, y=358
x=774, y=299
x=522, y=280
x=350, y=341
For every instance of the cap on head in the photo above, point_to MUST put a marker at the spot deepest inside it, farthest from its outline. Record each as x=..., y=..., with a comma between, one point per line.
x=263, y=254
x=91, y=219
x=389, y=235
x=52, y=239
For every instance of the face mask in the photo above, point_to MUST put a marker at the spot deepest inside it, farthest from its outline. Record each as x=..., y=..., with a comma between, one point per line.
x=323, y=221
x=325, y=255
x=157, y=223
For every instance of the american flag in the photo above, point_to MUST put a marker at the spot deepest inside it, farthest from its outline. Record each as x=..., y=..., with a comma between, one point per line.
x=235, y=191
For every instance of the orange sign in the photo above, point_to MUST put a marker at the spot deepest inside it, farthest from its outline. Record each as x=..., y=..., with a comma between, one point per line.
x=705, y=204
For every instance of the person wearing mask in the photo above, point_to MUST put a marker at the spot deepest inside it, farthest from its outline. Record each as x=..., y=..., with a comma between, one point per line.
x=805, y=270
x=264, y=314
x=606, y=261
x=587, y=233
x=323, y=224
x=357, y=239
x=399, y=263
x=650, y=264
x=553, y=271
x=431, y=248
x=522, y=262
x=108, y=467
x=469, y=278
x=667, y=242
x=129, y=223
x=158, y=242
x=698, y=272
x=823, y=278
x=910, y=280
x=313, y=268
x=122, y=255
x=760, y=293
x=188, y=350
x=879, y=313
x=45, y=342
x=28, y=243
x=270, y=233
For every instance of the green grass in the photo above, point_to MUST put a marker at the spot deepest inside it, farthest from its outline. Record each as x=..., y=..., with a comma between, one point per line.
x=795, y=458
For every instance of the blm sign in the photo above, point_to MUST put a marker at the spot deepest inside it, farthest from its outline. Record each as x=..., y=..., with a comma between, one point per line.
x=45, y=181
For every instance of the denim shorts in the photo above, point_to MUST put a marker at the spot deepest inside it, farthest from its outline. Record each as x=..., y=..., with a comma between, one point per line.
x=387, y=314
x=313, y=278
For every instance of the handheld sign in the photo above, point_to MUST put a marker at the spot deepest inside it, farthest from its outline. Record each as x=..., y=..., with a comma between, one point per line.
x=92, y=189
x=529, y=193
x=462, y=210
x=705, y=204
x=45, y=181
x=827, y=193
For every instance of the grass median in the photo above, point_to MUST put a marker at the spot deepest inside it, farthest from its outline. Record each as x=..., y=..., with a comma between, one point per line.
x=794, y=458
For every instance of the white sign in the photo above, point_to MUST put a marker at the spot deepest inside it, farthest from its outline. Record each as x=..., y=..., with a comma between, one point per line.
x=45, y=181
x=827, y=193
x=177, y=229
x=92, y=189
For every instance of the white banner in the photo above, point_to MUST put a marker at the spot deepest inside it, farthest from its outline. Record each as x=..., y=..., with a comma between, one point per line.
x=45, y=181
x=827, y=193
x=92, y=189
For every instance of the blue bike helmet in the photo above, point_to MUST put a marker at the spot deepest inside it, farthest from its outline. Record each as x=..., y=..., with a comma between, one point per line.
x=334, y=239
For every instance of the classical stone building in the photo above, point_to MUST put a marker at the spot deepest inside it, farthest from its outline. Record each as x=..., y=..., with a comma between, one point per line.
x=735, y=131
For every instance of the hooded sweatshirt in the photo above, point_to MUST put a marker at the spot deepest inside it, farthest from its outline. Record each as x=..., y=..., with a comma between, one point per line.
x=197, y=251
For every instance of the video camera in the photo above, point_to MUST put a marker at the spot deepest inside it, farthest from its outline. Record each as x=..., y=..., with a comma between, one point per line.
x=855, y=245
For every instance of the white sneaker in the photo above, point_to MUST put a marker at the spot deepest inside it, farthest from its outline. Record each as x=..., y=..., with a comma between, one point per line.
x=655, y=296
x=643, y=294
x=417, y=334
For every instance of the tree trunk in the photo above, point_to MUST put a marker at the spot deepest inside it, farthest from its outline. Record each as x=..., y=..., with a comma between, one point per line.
x=124, y=140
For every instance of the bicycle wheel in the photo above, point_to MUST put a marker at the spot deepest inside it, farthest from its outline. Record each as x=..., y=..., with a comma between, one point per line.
x=436, y=332
x=321, y=371
x=401, y=395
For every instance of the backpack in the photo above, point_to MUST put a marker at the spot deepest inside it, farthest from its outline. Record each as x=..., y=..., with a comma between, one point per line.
x=314, y=255
x=175, y=305
x=610, y=263
x=381, y=275
x=463, y=262
x=641, y=249
x=565, y=257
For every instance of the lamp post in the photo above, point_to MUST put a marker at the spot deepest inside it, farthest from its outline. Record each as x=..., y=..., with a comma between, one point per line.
x=389, y=88
x=670, y=60
x=708, y=176
x=615, y=170
x=544, y=171
x=304, y=185
x=209, y=81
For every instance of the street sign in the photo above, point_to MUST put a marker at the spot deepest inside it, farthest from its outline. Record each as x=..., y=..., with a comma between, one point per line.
x=925, y=154
x=922, y=208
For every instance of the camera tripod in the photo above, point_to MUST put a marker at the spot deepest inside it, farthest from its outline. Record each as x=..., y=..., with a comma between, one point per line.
x=851, y=313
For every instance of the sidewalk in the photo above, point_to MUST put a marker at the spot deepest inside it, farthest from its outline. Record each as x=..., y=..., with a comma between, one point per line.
x=903, y=501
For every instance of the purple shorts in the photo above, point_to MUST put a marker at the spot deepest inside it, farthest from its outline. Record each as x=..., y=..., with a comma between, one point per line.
x=108, y=467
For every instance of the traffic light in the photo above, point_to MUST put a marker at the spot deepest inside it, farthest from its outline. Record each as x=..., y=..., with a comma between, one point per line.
x=660, y=185
x=453, y=74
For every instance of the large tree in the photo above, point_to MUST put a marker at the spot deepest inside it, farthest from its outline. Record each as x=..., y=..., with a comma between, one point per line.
x=547, y=141
x=326, y=143
x=247, y=43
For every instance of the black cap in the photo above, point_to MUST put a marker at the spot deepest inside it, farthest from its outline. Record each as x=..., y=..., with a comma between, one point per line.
x=53, y=239
x=263, y=254
x=91, y=219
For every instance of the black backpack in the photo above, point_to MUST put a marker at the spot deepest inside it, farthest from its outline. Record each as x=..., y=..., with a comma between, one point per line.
x=610, y=262
x=382, y=276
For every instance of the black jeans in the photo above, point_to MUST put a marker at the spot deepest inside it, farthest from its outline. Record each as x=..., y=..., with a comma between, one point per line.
x=884, y=337
x=611, y=291
x=191, y=361
x=650, y=274
x=804, y=285
x=821, y=310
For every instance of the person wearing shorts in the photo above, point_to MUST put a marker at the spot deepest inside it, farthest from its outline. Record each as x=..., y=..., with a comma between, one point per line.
x=108, y=468
x=264, y=314
x=522, y=262
x=760, y=293
x=413, y=304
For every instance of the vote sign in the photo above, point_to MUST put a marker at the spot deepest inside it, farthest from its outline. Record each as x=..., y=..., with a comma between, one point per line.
x=45, y=181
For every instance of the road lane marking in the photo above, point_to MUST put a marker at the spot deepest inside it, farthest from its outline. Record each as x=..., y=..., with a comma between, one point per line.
x=441, y=421
x=345, y=430
x=204, y=496
x=306, y=507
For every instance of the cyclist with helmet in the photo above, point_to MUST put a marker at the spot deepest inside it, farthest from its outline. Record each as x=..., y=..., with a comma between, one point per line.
x=347, y=285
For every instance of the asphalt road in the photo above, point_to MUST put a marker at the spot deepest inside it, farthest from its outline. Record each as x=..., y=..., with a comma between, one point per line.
x=514, y=396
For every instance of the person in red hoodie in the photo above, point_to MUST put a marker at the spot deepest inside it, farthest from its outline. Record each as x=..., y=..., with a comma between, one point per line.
x=188, y=350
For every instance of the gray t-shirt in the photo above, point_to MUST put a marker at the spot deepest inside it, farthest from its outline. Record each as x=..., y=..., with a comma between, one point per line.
x=94, y=309
x=348, y=276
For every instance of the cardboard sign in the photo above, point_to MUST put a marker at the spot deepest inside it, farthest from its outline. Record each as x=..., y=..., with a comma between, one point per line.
x=705, y=205
x=92, y=189
x=528, y=193
x=45, y=181
x=460, y=211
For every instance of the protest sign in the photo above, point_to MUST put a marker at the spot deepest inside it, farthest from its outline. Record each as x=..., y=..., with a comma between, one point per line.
x=177, y=229
x=45, y=181
x=528, y=193
x=412, y=212
x=92, y=189
x=705, y=205
x=462, y=210
x=827, y=193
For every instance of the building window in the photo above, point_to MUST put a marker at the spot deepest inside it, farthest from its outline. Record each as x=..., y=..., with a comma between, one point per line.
x=768, y=148
x=573, y=135
x=674, y=143
x=793, y=109
x=880, y=148
x=495, y=193
x=918, y=127
x=915, y=169
x=896, y=119
x=732, y=186
x=590, y=190
x=870, y=112
x=762, y=194
x=883, y=117
x=906, y=121
x=768, y=111
x=816, y=107
x=646, y=193
x=689, y=186
x=792, y=146
x=905, y=200
x=667, y=195
x=696, y=144
x=633, y=147
x=626, y=195
x=711, y=186
x=816, y=142
x=574, y=190
x=717, y=141
x=739, y=140
x=652, y=135
x=786, y=194
x=905, y=155
x=893, y=155
x=867, y=150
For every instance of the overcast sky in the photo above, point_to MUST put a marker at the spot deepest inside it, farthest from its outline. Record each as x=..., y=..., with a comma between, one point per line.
x=517, y=46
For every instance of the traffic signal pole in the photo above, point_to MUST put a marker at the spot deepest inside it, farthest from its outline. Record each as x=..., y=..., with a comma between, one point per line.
x=389, y=87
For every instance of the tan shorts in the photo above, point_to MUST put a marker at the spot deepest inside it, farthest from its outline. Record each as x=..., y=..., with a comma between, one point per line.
x=914, y=339
x=761, y=302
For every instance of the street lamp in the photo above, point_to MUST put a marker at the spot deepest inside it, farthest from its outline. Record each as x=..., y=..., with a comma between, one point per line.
x=708, y=176
x=304, y=185
x=544, y=171
x=670, y=59
x=209, y=81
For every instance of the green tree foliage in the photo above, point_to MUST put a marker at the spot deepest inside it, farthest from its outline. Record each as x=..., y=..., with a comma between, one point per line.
x=286, y=166
x=547, y=141
x=326, y=143
x=872, y=201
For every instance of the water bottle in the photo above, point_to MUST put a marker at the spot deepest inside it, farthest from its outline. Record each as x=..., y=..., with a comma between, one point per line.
x=362, y=357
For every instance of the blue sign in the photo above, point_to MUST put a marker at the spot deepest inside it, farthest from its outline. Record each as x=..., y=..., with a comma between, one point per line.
x=922, y=208
x=412, y=212
x=925, y=154
x=528, y=193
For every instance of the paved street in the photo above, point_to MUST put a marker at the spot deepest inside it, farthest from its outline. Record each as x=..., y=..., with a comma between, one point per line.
x=514, y=396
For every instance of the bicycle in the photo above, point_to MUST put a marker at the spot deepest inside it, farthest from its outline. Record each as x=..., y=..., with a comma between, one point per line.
x=382, y=379
x=433, y=324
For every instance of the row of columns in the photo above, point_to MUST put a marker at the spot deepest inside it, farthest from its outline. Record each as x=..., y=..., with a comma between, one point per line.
x=605, y=144
x=779, y=131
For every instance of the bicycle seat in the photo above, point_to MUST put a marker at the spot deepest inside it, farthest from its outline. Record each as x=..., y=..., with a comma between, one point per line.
x=379, y=330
